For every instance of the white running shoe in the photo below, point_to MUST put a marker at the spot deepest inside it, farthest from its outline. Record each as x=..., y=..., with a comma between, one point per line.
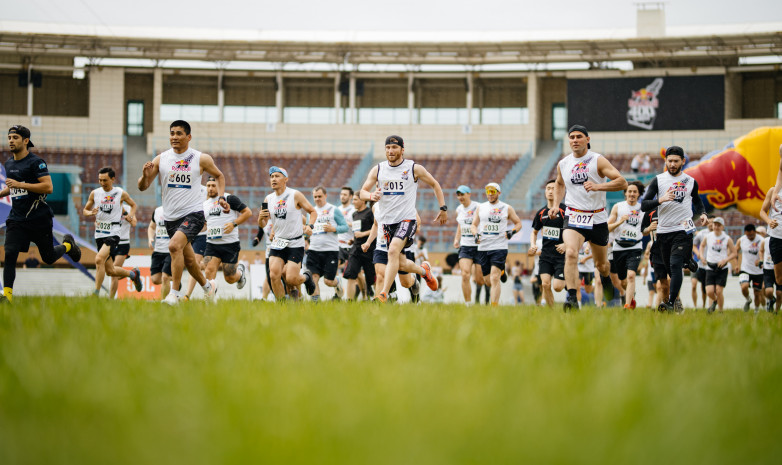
x=171, y=298
x=212, y=293
x=338, y=290
x=243, y=280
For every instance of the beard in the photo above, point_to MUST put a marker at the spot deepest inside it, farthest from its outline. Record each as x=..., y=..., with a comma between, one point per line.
x=674, y=171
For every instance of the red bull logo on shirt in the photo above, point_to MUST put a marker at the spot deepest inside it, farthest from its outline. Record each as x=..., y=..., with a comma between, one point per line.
x=580, y=172
x=495, y=215
x=183, y=164
x=679, y=190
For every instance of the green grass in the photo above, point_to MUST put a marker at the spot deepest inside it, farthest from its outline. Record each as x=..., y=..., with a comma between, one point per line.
x=98, y=382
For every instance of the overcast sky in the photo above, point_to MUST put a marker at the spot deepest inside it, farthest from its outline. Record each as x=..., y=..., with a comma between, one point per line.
x=418, y=15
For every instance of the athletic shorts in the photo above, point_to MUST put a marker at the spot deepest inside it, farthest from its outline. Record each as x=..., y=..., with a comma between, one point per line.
x=404, y=230
x=518, y=286
x=19, y=234
x=121, y=250
x=380, y=257
x=677, y=243
x=190, y=225
x=323, y=263
x=199, y=245
x=659, y=269
x=717, y=277
x=468, y=251
x=598, y=235
x=227, y=253
x=111, y=241
x=701, y=274
x=288, y=254
x=553, y=266
x=650, y=285
x=775, y=247
x=490, y=258
x=161, y=262
x=587, y=277
x=358, y=262
x=769, y=279
x=626, y=260
x=612, y=265
x=755, y=279
x=344, y=254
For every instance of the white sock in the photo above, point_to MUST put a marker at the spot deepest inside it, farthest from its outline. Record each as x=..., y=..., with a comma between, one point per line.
x=206, y=286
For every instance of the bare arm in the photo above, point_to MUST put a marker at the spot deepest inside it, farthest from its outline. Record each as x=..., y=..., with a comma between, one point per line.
x=148, y=173
x=515, y=218
x=5, y=192
x=423, y=175
x=367, y=192
x=457, y=236
x=606, y=170
x=131, y=217
x=612, y=221
x=151, y=233
x=559, y=194
x=43, y=186
x=208, y=165
x=703, y=248
x=764, y=209
x=304, y=204
x=89, y=209
x=731, y=253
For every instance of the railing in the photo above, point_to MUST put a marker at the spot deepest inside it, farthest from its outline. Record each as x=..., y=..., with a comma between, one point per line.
x=534, y=188
x=357, y=178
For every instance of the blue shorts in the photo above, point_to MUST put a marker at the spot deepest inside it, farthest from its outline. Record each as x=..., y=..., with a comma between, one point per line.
x=490, y=258
x=381, y=257
x=199, y=245
x=468, y=251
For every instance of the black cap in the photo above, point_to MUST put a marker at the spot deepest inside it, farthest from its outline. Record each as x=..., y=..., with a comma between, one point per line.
x=23, y=132
x=674, y=150
x=391, y=140
x=582, y=129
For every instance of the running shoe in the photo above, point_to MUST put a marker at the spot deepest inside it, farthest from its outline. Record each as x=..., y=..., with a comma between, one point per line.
x=171, y=298
x=415, y=292
x=382, y=298
x=712, y=307
x=75, y=252
x=338, y=290
x=503, y=276
x=210, y=295
x=665, y=307
x=137, y=280
x=428, y=277
x=309, y=283
x=243, y=280
x=747, y=305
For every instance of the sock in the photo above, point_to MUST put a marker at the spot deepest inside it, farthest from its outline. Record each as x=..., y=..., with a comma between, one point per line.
x=8, y=293
x=67, y=246
x=606, y=281
x=572, y=295
x=206, y=286
x=487, y=293
x=478, y=294
x=393, y=288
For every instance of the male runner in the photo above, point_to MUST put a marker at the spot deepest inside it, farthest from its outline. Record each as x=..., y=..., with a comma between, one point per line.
x=718, y=249
x=750, y=266
x=490, y=226
x=396, y=180
x=773, y=299
x=222, y=235
x=699, y=278
x=30, y=219
x=625, y=221
x=346, y=208
x=284, y=212
x=323, y=253
x=380, y=260
x=771, y=213
x=586, y=269
x=105, y=204
x=360, y=257
x=552, y=258
x=580, y=178
x=199, y=248
x=465, y=242
x=122, y=250
x=180, y=169
x=157, y=238
x=678, y=200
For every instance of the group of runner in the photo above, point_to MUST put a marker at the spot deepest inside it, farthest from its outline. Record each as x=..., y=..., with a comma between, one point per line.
x=574, y=236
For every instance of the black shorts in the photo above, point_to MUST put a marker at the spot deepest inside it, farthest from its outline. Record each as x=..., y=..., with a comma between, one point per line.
x=190, y=225
x=121, y=250
x=775, y=247
x=755, y=279
x=552, y=265
x=227, y=253
x=626, y=260
x=199, y=245
x=468, y=251
x=404, y=230
x=380, y=257
x=357, y=262
x=288, y=254
x=587, y=277
x=717, y=277
x=598, y=235
x=323, y=263
x=660, y=271
x=344, y=254
x=111, y=241
x=161, y=262
x=19, y=234
x=677, y=243
x=490, y=258
x=769, y=279
x=650, y=285
x=612, y=264
x=701, y=274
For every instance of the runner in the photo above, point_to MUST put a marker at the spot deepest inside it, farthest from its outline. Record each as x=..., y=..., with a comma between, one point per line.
x=323, y=253
x=517, y=271
x=199, y=248
x=772, y=215
x=180, y=169
x=534, y=279
x=122, y=250
x=750, y=266
x=718, y=249
x=396, y=184
x=676, y=204
x=552, y=258
x=283, y=210
x=700, y=276
x=105, y=204
x=580, y=178
x=30, y=219
x=773, y=299
x=625, y=221
x=659, y=272
x=157, y=238
x=465, y=242
x=586, y=270
x=380, y=260
x=222, y=237
x=360, y=257
x=490, y=226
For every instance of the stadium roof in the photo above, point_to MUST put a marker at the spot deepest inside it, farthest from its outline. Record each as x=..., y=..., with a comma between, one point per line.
x=360, y=47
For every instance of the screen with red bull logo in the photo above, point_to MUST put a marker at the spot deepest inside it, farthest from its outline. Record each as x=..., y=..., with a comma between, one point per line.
x=655, y=103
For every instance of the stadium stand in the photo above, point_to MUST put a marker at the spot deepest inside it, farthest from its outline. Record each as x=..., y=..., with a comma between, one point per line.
x=91, y=160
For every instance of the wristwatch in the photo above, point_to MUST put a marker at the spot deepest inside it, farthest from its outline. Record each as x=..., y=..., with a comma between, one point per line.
x=235, y=225
x=444, y=208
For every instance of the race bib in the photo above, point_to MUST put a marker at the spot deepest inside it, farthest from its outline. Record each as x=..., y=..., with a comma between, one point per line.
x=491, y=229
x=179, y=180
x=357, y=226
x=630, y=235
x=466, y=231
x=688, y=225
x=743, y=278
x=580, y=220
x=161, y=233
x=393, y=188
x=214, y=233
x=550, y=233
x=18, y=193
x=319, y=228
x=279, y=243
x=103, y=227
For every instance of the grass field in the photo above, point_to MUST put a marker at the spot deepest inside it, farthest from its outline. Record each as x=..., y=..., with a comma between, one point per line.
x=98, y=382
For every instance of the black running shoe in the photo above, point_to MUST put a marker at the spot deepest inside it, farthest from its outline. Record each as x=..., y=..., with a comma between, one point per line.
x=770, y=304
x=4, y=300
x=569, y=304
x=692, y=265
x=712, y=307
x=137, y=280
x=503, y=276
x=665, y=307
x=75, y=252
x=309, y=283
x=608, y=289
x=415, y=292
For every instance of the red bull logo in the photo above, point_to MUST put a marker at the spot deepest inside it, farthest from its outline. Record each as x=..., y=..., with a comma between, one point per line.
x=580, y=172
x=727, y=179
x=182, y=165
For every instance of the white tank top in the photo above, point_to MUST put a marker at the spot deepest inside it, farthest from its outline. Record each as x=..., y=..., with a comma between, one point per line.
x=161, y=233
x=216, y=219
x=630, y=230
x=398, y=192
x=464, y=217
x=180, y=176
x=492, y=226
x=124, y=226
x=716, y=247
x=775, y=213
x=768, y=262
x=675, y=215
x=347, y=213
x=109, y=205
x=575, y=172
x=322, y=241
x=589, y=265
x=750, y=251
x=286, y=219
